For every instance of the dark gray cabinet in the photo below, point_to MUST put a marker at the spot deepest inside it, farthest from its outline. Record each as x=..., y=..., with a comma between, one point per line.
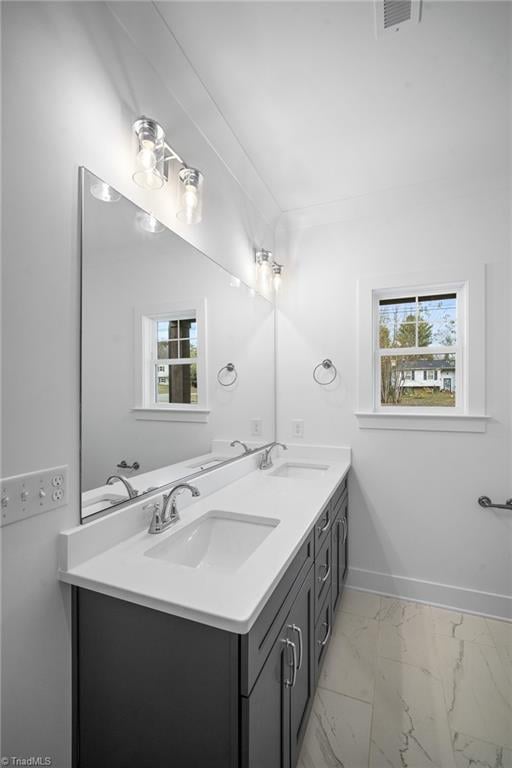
x=162, y=691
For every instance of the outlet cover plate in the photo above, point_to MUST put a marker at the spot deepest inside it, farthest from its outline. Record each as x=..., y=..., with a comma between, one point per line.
x=32, y=494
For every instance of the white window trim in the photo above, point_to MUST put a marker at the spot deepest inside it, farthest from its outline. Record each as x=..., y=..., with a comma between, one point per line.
x=146, y=409
x=469, y=414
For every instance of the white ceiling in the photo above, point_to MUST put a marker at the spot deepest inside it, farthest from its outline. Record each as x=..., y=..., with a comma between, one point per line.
x=325, y=111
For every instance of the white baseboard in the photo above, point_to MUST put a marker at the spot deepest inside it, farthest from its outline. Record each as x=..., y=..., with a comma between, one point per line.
x=444, y=595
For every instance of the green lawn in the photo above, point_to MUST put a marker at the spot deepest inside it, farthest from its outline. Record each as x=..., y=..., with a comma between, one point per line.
x=428, y=397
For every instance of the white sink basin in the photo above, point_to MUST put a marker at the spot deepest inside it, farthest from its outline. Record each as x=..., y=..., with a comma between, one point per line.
x=220, y=540
x=300, y=470
x=207, y=463
x=99, y=502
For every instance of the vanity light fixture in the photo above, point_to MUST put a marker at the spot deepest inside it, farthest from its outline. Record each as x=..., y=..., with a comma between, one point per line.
x=277, y=271
x=149, y=223
x=153, y=164
x=268, y=267
x=102, y=191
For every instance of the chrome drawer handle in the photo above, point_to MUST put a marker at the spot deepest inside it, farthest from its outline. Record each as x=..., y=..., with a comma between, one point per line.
x=322, y=528
x=293, y=665
x=327, y=565
x=323, y=642
x=298, y=630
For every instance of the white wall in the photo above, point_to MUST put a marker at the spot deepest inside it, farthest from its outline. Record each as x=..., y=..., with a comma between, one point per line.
x=414, y=511
x=73, y=83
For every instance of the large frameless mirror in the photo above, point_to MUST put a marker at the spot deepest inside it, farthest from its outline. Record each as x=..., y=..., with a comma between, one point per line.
x=177, y=355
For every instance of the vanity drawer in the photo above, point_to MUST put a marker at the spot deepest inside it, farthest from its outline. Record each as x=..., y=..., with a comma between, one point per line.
x=257, y=643
x=323, y=573
x=323, y=631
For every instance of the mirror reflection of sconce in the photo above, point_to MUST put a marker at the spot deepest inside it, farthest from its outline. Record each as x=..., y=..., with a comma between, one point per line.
x=325, y=365
x=153, y=168
x=104, y=192
x=227, y=375
x=148, y=223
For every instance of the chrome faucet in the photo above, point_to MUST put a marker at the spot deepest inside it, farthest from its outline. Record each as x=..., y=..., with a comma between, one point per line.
x=132, y=492
x=266, y=458
x=169, y=513
x=239, y=442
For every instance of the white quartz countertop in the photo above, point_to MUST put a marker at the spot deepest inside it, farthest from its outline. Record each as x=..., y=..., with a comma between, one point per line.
x=227, y=599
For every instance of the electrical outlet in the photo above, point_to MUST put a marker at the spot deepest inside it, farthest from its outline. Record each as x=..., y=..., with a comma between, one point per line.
x=23, y=496
x=256, y=427
x=298, y=427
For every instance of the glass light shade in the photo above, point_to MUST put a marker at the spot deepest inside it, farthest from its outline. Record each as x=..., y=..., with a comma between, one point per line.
x=190, y=196
x=148, y=223
x=102, y=191
x=277, y=281
x=149, y=163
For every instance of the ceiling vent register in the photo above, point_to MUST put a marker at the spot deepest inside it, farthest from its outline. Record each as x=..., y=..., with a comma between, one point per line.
x=393, y=15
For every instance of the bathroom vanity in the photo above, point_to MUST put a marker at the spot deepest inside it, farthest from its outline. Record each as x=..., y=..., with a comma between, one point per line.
x=160, y=683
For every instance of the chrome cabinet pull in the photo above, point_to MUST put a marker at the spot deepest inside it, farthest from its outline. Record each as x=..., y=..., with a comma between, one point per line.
x=327, y=634
x=345, y=529
x=289, y=644
x=298, y=630
x=322, y=528
x=327, y=565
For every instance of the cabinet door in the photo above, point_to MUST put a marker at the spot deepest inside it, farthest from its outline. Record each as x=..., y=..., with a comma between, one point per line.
x=336, y=547
x=266, y=712
x=300, y=630
x=339, y=544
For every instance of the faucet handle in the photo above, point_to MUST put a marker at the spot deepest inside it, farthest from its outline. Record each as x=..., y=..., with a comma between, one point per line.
x=156, y=520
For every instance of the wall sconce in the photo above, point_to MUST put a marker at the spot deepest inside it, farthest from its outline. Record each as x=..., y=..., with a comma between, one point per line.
x=277, y=272
x=153, y=164
x=267, y=266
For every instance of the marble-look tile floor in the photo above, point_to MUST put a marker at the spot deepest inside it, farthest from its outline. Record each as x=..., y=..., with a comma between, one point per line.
x=407, y=685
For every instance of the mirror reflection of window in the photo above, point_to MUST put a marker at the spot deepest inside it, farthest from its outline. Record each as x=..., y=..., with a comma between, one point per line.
x=176, y=374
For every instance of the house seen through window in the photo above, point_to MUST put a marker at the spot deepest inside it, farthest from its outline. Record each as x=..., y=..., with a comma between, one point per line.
x=418, y=351
x=175, y=360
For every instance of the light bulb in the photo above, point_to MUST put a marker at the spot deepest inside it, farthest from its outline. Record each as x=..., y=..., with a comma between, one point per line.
x=277, y=282
x=146, y=158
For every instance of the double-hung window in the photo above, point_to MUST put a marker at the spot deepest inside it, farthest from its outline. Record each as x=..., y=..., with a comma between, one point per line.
x=419, y=350
x=171, y=362
x=421, y=356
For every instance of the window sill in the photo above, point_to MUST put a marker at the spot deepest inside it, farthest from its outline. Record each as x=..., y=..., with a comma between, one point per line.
x=178, y=413
x=424, y=422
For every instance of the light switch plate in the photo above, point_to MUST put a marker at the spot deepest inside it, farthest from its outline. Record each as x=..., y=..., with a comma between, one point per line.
x=23, y=496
